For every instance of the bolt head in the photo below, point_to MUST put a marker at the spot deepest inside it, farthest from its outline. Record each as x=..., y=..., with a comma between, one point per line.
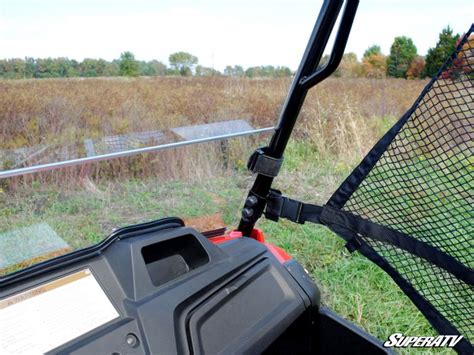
x=132, y=340
x=247, y=212
x=251, y=201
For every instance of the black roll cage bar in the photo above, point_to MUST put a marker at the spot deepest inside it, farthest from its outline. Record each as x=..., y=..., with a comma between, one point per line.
x=307, y=76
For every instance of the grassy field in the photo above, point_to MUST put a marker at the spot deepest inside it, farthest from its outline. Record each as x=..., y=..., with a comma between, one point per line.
x=339, y=123
x=350, y=284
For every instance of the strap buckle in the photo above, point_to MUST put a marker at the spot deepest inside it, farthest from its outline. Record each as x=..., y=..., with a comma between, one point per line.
x=353, y=244
x=284, y=207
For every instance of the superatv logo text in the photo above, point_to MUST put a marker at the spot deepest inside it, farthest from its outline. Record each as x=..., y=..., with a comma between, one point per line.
x=398, y=340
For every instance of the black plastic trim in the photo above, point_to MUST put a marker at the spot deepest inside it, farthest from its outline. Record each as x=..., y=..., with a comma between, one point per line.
x=215, y=232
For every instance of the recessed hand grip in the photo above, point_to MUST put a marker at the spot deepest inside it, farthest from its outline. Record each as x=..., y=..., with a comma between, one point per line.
x=169, y=259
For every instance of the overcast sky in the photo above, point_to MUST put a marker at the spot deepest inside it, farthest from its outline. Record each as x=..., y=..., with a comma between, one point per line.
x=218, y=32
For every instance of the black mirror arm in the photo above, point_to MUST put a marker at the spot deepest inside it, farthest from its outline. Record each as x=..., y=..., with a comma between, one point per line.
x=306, y=77
x=338, y=48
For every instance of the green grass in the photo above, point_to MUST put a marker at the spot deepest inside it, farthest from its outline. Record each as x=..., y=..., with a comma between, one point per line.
x=83, y=217
x=351, y=285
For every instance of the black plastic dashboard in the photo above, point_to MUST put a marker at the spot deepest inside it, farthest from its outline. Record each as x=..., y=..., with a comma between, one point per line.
x=170, y=290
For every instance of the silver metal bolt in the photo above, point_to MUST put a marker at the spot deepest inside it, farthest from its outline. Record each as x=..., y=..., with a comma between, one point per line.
x=132, y=340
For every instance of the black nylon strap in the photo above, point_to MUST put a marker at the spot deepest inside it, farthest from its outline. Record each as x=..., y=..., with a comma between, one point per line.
x=351, y=228
x=279, y=206
x=260, y=163
x=331, y=216
x=437, y=320
x=353, y=244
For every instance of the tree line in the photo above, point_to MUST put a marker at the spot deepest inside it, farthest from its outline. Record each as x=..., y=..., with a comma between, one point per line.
x=402, y=62
x=180, y=63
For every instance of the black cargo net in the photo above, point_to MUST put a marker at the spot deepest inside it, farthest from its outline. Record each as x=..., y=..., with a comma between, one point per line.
x=410, y=204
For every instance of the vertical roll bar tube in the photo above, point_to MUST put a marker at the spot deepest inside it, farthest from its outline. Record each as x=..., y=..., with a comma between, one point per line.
x=306, y=77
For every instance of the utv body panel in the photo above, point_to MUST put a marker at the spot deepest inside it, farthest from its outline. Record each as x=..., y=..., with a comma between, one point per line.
x=177, y=291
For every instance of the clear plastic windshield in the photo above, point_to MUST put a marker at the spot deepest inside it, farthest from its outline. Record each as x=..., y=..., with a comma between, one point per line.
x=94, y=137
x=79, y=181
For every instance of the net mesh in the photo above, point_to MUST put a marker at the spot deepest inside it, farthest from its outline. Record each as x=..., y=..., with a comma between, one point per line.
x=423, y=186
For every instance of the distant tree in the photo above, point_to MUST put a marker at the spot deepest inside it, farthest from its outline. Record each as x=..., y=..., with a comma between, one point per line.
x=229, y=70
x=101, y=65
x=373, y=49
x=349, y=66
x=30, y=66
x=128, y=65
x=198, y=70
x=7, y=69
x=18, y=68
x=267, y=71
x=239, y=70
x=206, y=71
x=151, y=68
x=48, y=68
x=282, y=72
x=253, y=72
x=436, y=56
x=145, y=69
x=350, y=57
x=4, y=68
x=10, y=69
x=61, y=67
x=183, y=62
x=374, y=66
x=257, y=72
x=112, y=68
x=88, y=67
x=236, y=70
x=73, y=68
x=416, y=68
x=157, y=67
x=462, y=63
x=402, y=53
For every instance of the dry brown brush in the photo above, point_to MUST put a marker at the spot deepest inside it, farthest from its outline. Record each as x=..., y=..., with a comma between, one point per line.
x=341, y=117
